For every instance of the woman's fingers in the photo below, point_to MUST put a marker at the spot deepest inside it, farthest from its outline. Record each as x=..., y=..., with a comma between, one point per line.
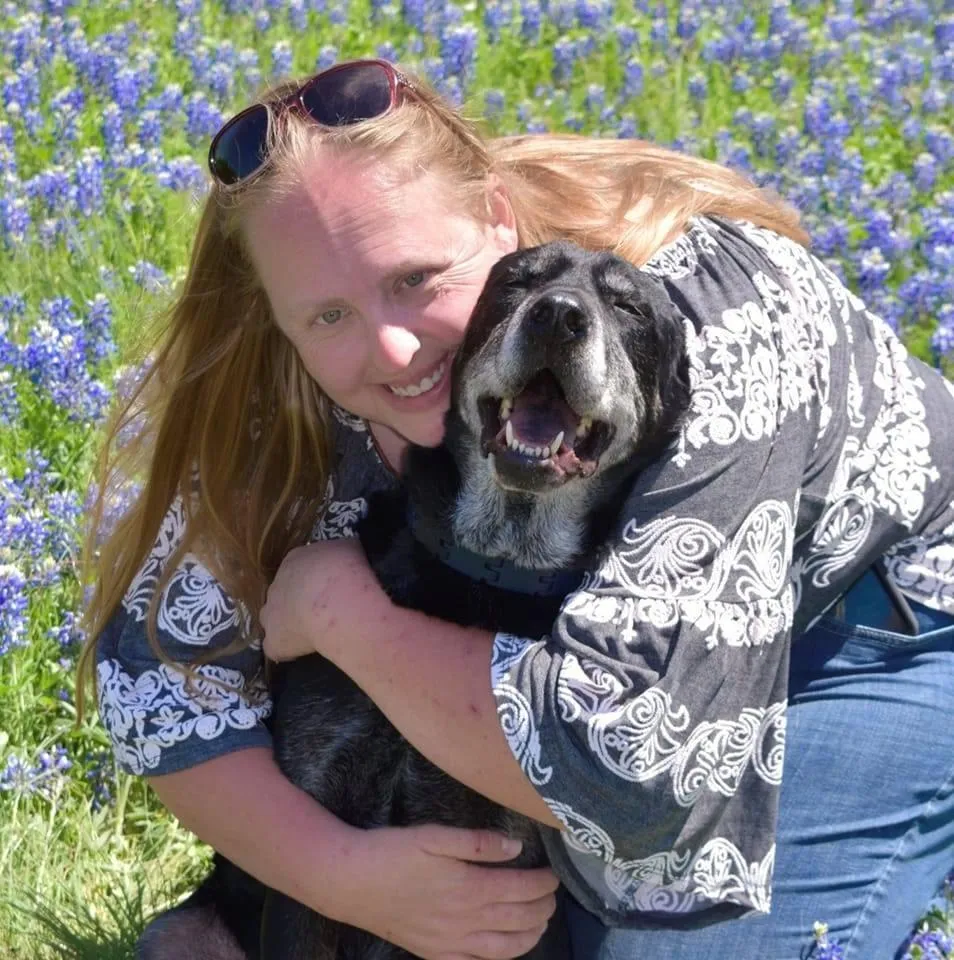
x=503, y=946
x=520, y=917
x=478, y=845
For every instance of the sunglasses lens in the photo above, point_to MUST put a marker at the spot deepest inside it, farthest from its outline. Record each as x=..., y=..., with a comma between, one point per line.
x=239, y=150
x=354, y=93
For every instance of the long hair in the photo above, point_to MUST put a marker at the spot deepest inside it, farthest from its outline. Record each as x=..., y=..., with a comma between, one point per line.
x=227, y=419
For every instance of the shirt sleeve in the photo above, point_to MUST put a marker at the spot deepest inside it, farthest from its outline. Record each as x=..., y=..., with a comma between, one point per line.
x=652, y=719
x=157, y=720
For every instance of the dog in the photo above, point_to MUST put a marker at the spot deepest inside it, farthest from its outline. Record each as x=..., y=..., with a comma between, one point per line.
x=571, y=377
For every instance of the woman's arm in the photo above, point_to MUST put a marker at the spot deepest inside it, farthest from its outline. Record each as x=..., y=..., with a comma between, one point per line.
x=409, y=885
x=429, y=677
x=242, y=805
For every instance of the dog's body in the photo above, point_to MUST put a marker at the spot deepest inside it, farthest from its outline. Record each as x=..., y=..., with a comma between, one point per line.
x=572, y=375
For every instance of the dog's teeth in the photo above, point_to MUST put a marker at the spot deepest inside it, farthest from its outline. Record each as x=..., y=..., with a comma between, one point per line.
x=509, y=433
x=584, y=428
x=505, y=408
x=555, y=445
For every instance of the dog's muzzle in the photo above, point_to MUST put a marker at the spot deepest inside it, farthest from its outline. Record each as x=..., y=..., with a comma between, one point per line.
x=541, y=432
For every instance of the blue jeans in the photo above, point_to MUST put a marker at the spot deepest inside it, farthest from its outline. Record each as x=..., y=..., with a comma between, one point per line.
x=866, y=818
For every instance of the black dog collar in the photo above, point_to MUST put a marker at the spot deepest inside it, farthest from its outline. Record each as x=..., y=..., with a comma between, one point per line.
x=495, y=571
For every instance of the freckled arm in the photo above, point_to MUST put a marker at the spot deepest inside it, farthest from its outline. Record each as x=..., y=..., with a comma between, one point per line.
x=432, y=680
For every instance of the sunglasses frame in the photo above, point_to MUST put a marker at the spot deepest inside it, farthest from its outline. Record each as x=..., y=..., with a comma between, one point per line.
x=397, y=81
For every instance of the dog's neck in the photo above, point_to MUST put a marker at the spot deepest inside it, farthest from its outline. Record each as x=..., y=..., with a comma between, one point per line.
x=455, y=496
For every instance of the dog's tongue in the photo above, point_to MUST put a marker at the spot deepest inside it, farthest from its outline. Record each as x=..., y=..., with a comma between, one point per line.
x=539, y=413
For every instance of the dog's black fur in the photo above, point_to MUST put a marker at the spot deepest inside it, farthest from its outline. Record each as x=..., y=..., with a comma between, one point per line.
x=568, y=335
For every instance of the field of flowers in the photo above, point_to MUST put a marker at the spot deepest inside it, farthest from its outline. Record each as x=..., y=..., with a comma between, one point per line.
x=846, y=108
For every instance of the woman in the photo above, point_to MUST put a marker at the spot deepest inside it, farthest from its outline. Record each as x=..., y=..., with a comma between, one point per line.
x=347, y=236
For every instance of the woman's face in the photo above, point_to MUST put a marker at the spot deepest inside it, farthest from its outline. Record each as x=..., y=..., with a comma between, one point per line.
x=373, y=281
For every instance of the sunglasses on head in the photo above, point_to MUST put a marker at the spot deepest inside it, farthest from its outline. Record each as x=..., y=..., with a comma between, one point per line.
x=344, y=94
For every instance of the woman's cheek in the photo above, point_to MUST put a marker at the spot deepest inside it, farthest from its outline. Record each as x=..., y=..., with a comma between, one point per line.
x=333, y=366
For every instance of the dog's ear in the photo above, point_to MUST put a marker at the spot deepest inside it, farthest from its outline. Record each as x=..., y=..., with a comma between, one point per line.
x=665, y=327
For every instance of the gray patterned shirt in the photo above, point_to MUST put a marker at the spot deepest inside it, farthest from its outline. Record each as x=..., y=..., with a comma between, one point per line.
x=652, y=718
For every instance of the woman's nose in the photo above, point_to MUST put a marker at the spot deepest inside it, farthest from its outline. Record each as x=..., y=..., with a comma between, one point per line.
x=396, y=346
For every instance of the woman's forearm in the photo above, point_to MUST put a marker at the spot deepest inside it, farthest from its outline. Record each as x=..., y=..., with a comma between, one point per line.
x=432, y=680
x=242, y=805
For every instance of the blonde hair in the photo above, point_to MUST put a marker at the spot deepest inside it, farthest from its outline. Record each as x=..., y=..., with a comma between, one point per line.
x=229, y=421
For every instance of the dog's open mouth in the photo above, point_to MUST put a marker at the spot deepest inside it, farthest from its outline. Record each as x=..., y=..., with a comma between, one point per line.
x=538, y=429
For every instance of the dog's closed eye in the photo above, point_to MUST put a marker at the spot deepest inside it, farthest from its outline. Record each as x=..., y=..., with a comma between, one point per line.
x=630, y=308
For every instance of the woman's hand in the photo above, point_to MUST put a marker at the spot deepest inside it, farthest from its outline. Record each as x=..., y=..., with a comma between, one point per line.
x=414, y=887
x=319, y=589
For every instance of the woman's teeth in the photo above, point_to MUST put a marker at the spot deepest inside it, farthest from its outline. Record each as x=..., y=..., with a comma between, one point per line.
x=428, y=383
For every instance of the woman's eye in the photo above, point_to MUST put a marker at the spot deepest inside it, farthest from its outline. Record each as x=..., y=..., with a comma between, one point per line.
x=414, y=279
x=330, y=317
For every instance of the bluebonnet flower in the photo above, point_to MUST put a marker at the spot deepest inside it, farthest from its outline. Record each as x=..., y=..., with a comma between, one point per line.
x=13, y=607
x=626, y=37
x=297, y=15
x=940, y=143
x=494, y=101
x=114, y=134
x=633, y=78
x=831, y=240
x=872, y=270
x=68, y=634
x=44, y=778
x=562, y=14
x=388, y=51
x=496, y=18
x=593, y=14
x=15, y=219
x=149, y=276
x=202, y=118
x=564, y=57
x=126, y=89
x=763, y=133
x=531, y=16
x=65, y=108
x=99, y=329
x=741, y=82
x=687, y=24
x=925, y=172
x=89, y=190
x=55, y=359
x=282, y=58
x=698, y=86
x=459, y=52
x=782, y=85
x=825, y=949
x=149, y=128
x=52, y=187
x=327, y=57
x=49, y=230
x=942, y=340
x=659, y=33
x=101, y=776
x=927, y=944
x=262, y=20
x=595, y=98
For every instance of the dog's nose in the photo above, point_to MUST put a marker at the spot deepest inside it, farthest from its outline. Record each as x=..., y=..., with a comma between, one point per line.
x=559, y=317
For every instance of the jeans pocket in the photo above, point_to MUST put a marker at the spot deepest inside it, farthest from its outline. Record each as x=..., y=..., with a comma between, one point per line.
x=856, y=640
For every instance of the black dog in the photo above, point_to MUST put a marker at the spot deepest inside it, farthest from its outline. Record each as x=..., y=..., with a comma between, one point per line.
x=572, y=375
